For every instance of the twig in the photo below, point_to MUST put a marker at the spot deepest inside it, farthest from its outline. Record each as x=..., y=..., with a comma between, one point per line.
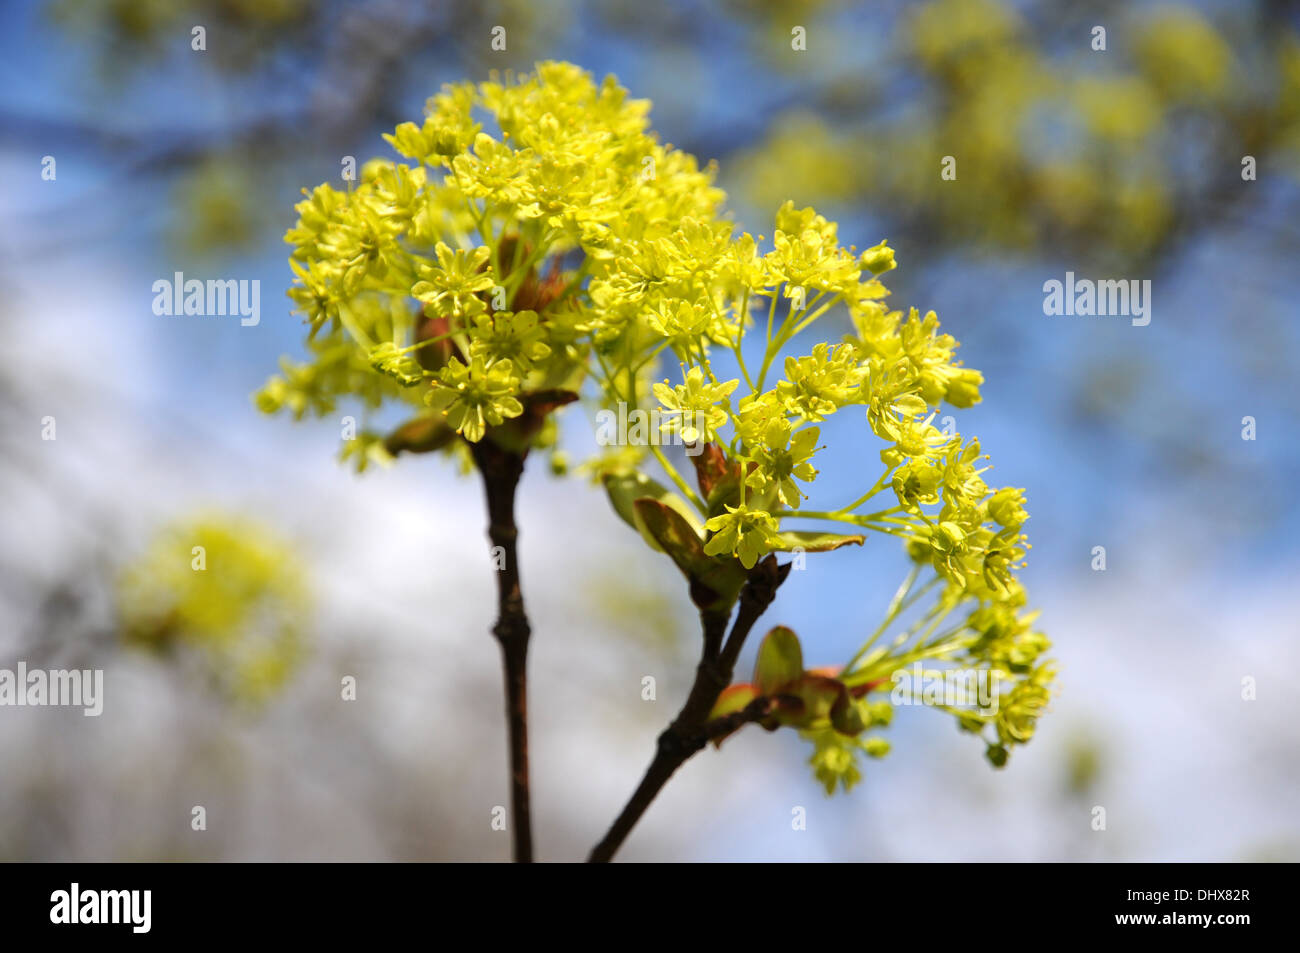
x=691, y=730
x=756, y=710
x=501, y=470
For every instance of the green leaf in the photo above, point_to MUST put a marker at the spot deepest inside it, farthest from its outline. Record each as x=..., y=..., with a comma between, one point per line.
x=624, y=489
x=845, y=716
x=670, y=532
x=786, y=710
x=811, y=542
x=779, y=663
x=820, y=694
x=811, y=700
x=732, y=699
x=715, y=582
x=422, y=434
x=718, y=479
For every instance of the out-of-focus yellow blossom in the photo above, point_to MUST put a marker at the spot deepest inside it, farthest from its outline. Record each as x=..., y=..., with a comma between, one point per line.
x=1182, y=55
x=225, y=595
x=1050, y=139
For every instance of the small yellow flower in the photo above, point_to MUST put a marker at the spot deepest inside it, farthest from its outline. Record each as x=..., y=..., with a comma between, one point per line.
x=452, y=286
x=516, y=337
x=749, y=534
x=693, y=410
x=476, y=396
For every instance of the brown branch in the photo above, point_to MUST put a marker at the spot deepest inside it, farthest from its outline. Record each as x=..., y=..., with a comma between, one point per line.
x=501, y=470
x=691, y=730
x=756, y=710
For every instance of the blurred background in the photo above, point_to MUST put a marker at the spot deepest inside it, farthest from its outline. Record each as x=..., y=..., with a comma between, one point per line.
x=1125, y=162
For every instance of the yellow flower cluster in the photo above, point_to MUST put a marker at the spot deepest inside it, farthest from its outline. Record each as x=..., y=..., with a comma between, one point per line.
x=508, y=181
x=224, y=596
x=541, y=244
x=897, y=369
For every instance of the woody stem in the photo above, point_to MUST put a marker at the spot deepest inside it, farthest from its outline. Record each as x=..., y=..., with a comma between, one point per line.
x=691, y=730
x=501, y=470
